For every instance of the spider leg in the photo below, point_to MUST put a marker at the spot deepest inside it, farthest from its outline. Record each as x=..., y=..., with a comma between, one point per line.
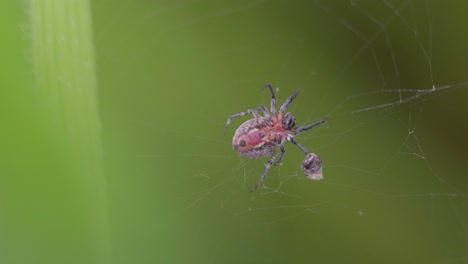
x=292, y=140
x=254, y=112
x=280, y=159
x=273, y=98
x=288, y=102
x=303, y=129
x=262, y=178
x=266, y=113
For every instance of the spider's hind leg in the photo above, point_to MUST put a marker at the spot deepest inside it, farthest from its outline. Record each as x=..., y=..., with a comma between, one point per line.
x=267, y=169
x=280, y=159
x=254, y=112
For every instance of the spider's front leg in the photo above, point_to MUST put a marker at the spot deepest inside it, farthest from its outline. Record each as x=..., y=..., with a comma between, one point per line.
x=273, y=98
x=292, y=140
x=303, y=129
x=267, y=169
x=288, y=102
x=254, y=112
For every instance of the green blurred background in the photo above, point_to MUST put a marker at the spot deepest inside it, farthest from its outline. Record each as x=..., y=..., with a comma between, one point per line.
x=112, y=145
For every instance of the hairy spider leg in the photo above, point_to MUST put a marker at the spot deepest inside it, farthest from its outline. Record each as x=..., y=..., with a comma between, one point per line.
x=254, y=112
x=303, y=129
x=288, y=102
x=273, y=99
x=280, y=159
x=292, y=140
x=262, y=178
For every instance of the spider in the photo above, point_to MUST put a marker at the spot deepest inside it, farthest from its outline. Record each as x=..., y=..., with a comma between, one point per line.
x=262, y=135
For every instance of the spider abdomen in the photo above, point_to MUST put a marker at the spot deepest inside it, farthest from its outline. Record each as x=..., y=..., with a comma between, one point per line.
x=252, y=139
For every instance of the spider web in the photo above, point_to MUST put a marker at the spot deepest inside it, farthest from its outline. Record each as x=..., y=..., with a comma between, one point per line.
x=393, y=147
x=405, y=169
x=402, y=106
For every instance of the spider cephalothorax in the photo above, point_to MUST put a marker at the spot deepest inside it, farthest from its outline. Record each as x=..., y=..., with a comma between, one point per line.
x=260, y=136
